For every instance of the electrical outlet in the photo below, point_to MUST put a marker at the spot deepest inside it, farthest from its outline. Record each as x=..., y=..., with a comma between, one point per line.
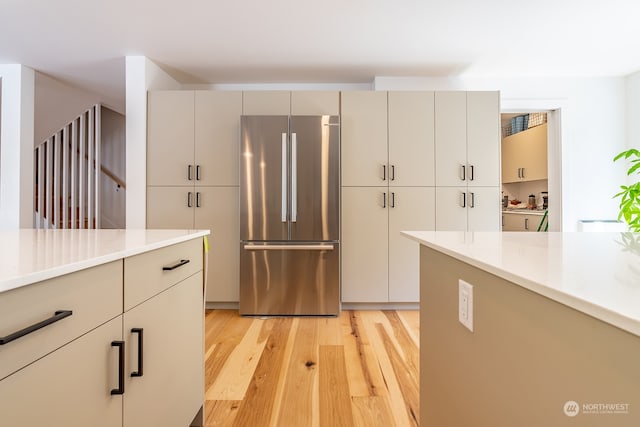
x=465, y=304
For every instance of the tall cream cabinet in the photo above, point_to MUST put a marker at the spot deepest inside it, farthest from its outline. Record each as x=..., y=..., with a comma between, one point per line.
x=387, y=179
x=192, y=175
x=524, y=155
x=129, y=353
x=467, y=161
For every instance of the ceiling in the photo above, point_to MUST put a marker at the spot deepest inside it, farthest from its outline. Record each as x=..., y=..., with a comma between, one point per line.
x=333, y=41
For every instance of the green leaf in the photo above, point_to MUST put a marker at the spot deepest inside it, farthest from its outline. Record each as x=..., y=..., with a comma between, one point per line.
x=633, y=168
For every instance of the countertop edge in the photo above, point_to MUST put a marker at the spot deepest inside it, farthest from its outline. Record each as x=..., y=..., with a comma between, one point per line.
x=596, y=311
x=38, y=276
x=523, y=212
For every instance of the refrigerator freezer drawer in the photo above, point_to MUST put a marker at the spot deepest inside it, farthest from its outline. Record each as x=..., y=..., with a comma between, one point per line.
x=290, y=279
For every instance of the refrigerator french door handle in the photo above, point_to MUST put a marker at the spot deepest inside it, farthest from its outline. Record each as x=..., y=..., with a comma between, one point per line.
x=294, y=177
x=284, y=177
x=321, y=247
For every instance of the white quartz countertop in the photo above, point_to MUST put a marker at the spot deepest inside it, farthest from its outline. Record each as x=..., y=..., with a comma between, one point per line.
x=28, y=255
x=523, y=211
x=595, y=273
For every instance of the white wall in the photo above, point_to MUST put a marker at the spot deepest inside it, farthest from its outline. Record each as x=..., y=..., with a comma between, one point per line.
x=56, y=104
x=141, y=75
x=112, y=157
x=633, y=110
x=592, y=131
x=16, y=146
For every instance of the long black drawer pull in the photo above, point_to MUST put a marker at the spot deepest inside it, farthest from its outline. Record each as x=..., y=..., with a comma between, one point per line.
x=140, y=332
x=120, y=345
x=175, y=265
x=58, y=315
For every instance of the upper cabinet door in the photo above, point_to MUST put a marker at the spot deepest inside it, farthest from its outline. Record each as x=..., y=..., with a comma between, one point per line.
x=170, y=138
x=511, y=163
x=313, y=103
x=266, y=103
x=217, y=137
x=411, y=139
x=535, y=153
x=483, y=139
x=364, y=138
x=451, y=138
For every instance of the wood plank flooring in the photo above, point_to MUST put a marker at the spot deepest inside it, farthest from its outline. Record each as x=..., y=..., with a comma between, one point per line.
x=359, y=369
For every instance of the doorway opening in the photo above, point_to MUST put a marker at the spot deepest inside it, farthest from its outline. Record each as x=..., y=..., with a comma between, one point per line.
x=530, y=170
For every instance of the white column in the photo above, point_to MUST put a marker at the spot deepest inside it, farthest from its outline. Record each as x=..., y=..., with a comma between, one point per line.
x=141, y=75
x=16, y=146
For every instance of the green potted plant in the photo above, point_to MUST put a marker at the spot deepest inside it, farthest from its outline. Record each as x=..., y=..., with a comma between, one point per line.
x=630, y=194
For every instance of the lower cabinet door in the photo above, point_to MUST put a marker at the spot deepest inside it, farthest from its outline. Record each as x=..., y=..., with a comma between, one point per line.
x=451, y=208
x=69, y=387
x=164, y=377
x=170, y=207
x=365, y=245
x=511, y=222
x=411, y=208
x=484, y=208
x=218, y=211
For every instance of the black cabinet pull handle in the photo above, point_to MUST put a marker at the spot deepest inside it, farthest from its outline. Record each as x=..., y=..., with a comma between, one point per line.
x=473, y=200
x=384, y=172
x=464, y=174
x=393, y=172
x=384, y=200
x=58, y=315
x=140, y=332
x=175, y=265
x=471, y=173
x=120, y=345
x=189, y=195
x=393, y=199
x=197, y=172
x=189, y=173
x=197, y=199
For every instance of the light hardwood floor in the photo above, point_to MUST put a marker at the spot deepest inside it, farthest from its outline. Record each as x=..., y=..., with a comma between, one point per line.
x=359, y=369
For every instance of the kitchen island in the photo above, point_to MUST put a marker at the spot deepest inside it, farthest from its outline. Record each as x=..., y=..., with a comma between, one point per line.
x=101, y=327
x=555, y=336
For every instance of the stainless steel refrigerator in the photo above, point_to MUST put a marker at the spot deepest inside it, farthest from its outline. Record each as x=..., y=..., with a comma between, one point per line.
x=289, y=215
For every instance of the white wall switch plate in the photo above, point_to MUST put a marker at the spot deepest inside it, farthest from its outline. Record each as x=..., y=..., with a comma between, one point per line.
x=465, y=304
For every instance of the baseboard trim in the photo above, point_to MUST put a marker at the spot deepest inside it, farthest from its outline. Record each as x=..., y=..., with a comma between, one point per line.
x=221, y=305
x=209, y=305
x=381, y=306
